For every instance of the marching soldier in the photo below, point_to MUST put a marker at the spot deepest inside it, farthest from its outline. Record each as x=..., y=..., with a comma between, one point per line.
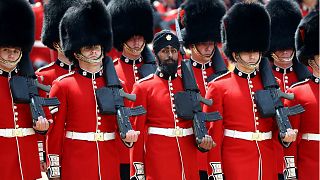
x=285, y=17
x=53, y=12
x=304, y=155
x=132, y=25
x=169, y=151
x=244, y=139
x=202, y=33
x=81, y=142
x=19, y=152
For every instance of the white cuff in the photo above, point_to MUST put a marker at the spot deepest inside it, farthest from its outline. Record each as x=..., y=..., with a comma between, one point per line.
x=54, y=168
x=139, y=171
x=216, y=171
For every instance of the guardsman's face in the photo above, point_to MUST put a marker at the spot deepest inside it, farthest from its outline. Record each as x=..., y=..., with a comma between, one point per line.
x=91, y=52
x=10, y=53
x=136, y=43
x=284, y=55
x=168, y=55
x=250, y=57
x=205, y=48
x=9, y=57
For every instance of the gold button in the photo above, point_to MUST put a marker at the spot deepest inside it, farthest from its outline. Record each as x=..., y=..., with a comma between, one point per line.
x=17, y=126
x=257, y=118
x=99, y=123
x=99, y=118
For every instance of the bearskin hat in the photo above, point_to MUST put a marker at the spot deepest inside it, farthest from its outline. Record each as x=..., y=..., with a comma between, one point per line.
x=85, y=25
x=129, y=18
x=53, y=13
x=307, y=37
x=245, y=27
x=202, y=21
x=17, y=24
x=285, y=17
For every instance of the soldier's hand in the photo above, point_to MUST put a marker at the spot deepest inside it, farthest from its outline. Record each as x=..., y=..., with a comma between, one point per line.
x=207, y=143
x=43, y=166
x=42, y=124
x=132, y=136
x=291, y=135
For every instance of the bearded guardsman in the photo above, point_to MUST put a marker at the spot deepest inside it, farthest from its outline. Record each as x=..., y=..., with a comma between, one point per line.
x=285, y=17
x=244, y=138
x=19, y=150
x=202, y=35
x=81, y=143
x=166, y=149
x=132, y=26
x=303, y=156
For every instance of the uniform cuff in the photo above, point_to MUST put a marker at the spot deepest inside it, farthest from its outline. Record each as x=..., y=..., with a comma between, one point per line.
x=54, y=170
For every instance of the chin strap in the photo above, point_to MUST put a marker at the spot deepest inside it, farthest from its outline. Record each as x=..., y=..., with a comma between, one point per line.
x=194, y=48
x=11, y=63
x=134, y=51
x=276, y=58
x=244, y=63
x=81, y=57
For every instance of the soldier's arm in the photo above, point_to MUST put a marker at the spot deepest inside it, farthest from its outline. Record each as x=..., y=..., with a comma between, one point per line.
x=138, y=124
x=216, y=132
x=56, y=131
x=290, y=154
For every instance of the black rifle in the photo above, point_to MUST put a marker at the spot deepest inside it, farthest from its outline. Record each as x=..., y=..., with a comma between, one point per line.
x=269, y=100
x=188, y=104
x=219, y=65
x=24, y=90
x=149, y=66
x=111, y=99
x=301, y=70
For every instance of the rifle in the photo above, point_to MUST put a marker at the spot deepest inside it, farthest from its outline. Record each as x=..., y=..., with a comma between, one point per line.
x=24, y=90
x=188, y=104
x=149, y=66
x=219, y=65
x=111, y=99
x=269, y=100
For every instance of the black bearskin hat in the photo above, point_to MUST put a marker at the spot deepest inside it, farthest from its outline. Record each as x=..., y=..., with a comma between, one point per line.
x=245, y=27
x=285, y=16
x=85, y=25
x=307, y=37
x=129, y=18
x=17, y=24
x=202, y=21
x=53, y=13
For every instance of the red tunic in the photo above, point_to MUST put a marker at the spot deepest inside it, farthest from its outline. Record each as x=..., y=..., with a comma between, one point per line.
x=47, y=75
x=288, y=77
x=18, y=155
x=306, y=152
x=163, y=157
x=241, y=159
x=81, y=159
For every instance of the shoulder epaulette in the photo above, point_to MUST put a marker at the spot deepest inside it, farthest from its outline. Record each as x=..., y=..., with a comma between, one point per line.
x=115, y=60
x=64, y=76
x=219, y=77
x=44, y=67
x=298, y=83
x=145, y=78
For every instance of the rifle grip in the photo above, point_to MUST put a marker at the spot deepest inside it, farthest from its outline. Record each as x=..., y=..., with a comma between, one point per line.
x=205, y=101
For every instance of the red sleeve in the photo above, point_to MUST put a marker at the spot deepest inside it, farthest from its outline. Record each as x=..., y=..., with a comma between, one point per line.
x=295, y=123
x=215, y=128
x=139, y=122
x=56, y=133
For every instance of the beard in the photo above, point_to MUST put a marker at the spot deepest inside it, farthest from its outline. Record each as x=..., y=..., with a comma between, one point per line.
x=169, y=66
